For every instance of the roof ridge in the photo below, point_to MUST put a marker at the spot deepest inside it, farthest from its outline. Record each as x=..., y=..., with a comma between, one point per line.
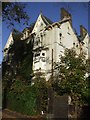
x=46, y=20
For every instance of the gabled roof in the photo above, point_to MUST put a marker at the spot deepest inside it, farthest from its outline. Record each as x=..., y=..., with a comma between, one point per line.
x=11, y=38
x=81, y=38
x=83, y=33
x=9, y=41
x=30, y=27
x=46, y=20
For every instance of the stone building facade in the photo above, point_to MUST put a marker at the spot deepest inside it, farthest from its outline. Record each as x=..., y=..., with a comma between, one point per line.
x=51, y=39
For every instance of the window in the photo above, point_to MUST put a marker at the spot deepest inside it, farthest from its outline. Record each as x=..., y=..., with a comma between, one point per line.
x=43, y=59
x=83, y=43
x=41, y=24
x=37, y=54
x=60, y=34
x=37, y=42
x=76, y=45
x=68, y=33
x=43, y=54
x=44, y=33
x=81, y=49
x=60, y=41
x=41, y=35
x=36, y=59
x=73, y=43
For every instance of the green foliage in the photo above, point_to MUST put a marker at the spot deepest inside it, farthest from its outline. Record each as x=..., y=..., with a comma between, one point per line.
x=20, y=58
x=16, y=50
x=22, y=95
x=14, y=12
x=22, y=98
x=70, y=78
x=41, y=87
x=26, y=67
x=26, y=98
x=17, y=72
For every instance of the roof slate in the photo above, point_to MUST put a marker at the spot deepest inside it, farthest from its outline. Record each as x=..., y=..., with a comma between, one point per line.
x=46, y=20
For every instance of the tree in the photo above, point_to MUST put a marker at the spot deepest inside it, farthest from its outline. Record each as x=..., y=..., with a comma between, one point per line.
x=14, y=12
x=17, y=69
x=20, y=58
x=39, y=84
x=70, y=76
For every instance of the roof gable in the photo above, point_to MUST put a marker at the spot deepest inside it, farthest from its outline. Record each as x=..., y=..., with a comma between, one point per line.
x=9, y=41
x=41, y=22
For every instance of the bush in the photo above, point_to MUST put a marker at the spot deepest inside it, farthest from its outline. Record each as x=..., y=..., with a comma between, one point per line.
x=22, y=100
x=27, y=99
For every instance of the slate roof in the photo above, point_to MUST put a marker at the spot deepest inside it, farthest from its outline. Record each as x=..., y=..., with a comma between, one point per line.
x=30, y=27
x=46, y=20
x=81, y=38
